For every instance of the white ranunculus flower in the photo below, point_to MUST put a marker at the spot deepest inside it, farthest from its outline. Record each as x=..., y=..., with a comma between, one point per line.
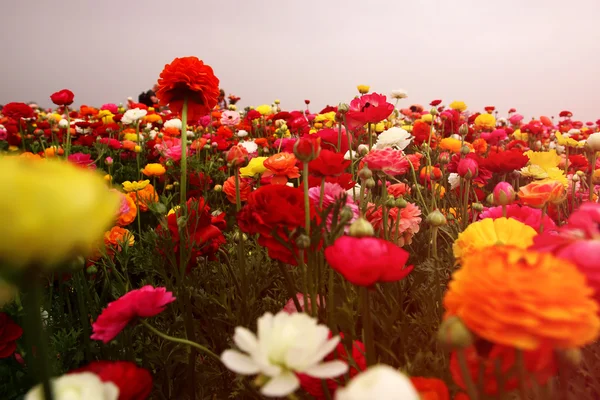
x=63, y=123
x=395, y=137
x=284, y=344
x=354, y=155
x=190, y=134
x=133, y=115
x=572, y=132
x=593, y=141
x=380, y=382
x=81, y=386
x=251, y=147
x=399, y=94
x=242, y=133
x=173, y=123
x=454, y=180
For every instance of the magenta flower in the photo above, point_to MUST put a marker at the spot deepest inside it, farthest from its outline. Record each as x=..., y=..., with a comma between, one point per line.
x=332, y=193
x=527, y=215
x=113, y=108
x=143, y=303
x=82, y=160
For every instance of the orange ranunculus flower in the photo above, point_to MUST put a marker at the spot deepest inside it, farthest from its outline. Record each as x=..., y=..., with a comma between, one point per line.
x=596, y=177
x=147, y=196
x=523, y=299
x=128, y=145
x=86, y=111
x=53, y=151
x=540, y=365
x=127, y=211
x=150, y=118
x=262, y=142
x=118, y=236
x=229, y=189
x=154, y=169
x=199, y=144
x=281, y=166
x=450, y=144
x=430, y=388
x=480, y=146
x=430, y=173
x=171, y=131
x=539, y=193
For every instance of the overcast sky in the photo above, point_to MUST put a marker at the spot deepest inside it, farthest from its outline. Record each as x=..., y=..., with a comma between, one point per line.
x=539, y=56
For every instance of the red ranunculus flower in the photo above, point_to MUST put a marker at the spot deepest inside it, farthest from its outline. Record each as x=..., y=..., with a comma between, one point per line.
x=344, y=180
x=368, y=260
x=134, y=383
x=368, y=108
x=430, y=388
x=9, y=333
x=17, y=111
x=63, y=97
x=329, y=139
x=328, y=163
x=188, y=78
x=275, y=209
x=198, y=184
x=504, y=162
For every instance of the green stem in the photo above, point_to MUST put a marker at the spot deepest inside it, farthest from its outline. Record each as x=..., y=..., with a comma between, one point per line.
x=293, y=293
x=238, y=196
x=179, y=340
x=591, y=177
x=137, y=153
x=36, y=336
x=183, y=179
x=370, y=136
x=339, y=142
x=384, y=210
x=351, y=157
x=542, y=218
x=306, y=199
x=322, y=193
x=464, y=371
x=367, y=327
x=68, y=142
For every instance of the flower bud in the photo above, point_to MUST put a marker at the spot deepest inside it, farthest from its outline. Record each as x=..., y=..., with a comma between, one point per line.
x=303, y=242
x=390, y=202
x=91, y=269
x=169, y=163
x=581, y=174
x=361, y=228
x=454, y=334
x=593, y=141
x=504, y=194
x=436, y=218
x=109, y=161
x=465, y=150
x=346, y=214
x=218, y=188
x=169, y=187
x=370, y=183
x=362, y=149
x=571, y=356
x=426, y=148
x=463, y=130
x=236, y=236
x=237, y=156
x=434, y=111
x=444, y=158
x=477, y=207
x=468, y=168
x=365, y=173
x=307, y=149
x=575, y=178
x=401, y=203
x=343, y=108
x=137, y=149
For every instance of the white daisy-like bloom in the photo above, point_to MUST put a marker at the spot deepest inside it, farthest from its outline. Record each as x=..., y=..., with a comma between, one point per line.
x=454, y=180
x=251, y=147
x=241, y=133
x=152, y=134
x=399, y=94
x=133, y=115
x=285, y=344
x=79, y=386
x=173, y=123
x=380, y=382
x=356, y=190
x=63, y=123
x=396, y=138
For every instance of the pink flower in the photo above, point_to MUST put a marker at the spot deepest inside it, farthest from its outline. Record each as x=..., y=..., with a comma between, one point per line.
x=527, y=215
x=494, y=137
x=368, y=108
x=332, y=193
x=515, y=119
x=401, y=232
x=290, y=307
x=205, y=120
x=230, y=118
x=3, y=133
x=392, y=162
x=82, y=160
x=578, y=241
x=145, y=302
x=467, y=168
x=504, y=194
x=170, y=149
x=113, y=108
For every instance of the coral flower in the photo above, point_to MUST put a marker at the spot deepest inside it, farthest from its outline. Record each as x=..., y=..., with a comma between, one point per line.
x=538, y=194
x=402, y=223
x=143, y=303
x=491, y=232
x=127, y=210
x=524, y=299
x=367, y=260
x=117, y=237
x=230, y=192
x=369, y=108
x=281, y=166
x=154, y=169
x=332, y=192
x=392, y=162
x=188, y=78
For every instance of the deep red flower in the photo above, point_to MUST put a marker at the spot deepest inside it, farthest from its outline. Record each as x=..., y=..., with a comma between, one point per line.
x=368, y=108
x=504, y=162
x=483, y=174
x=275, y=209
x=188, y=78
x=329, y=139
x=368, y=260
x=198, y=184
x=134, y=383
x=344, y=180
x=9, y=333
x=430, y=388
x=421, y=131
x=328, y=164
x=490, y=109
x=17, y=111
x=63, y=97
x=435, y=103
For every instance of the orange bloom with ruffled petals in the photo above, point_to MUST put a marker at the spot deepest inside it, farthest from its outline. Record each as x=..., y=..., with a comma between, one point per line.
x=229, y=189
x=154, y=169
x=480, y=146
x=127, y=211
x=147, y=196
x=539, y=193
x=523, y=299
x=281, y=167
x=117, y=237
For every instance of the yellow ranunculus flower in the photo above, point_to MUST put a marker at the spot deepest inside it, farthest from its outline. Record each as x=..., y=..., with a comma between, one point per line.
x=518, y=135
x=363, y=89
x=135, y=186
x=56, y=117
x=154, y=169
x=485, y=121
x=459, y=106
x=51, y=212
x=130, y=136
x=264, y=109
x=427, y=118
x=567, y=141
x=380, y=127
x=545, y=159
x=330, y=116
x=106, y=116
x=407, y=128
x=254, y=167
x=173, y=210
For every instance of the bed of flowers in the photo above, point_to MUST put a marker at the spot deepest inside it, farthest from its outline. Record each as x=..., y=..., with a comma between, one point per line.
x=364, y=251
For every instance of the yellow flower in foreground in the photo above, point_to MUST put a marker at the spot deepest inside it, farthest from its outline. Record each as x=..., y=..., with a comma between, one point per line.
x=363, y=89
x=544, y=165
x=51, y=211
x=264, y=109
x=135, y=186
x=485, y=121
x=545, y=159
x=567, y=141
x=458, y=106
x=490, y=232
x=254, y=167
x=106, y=116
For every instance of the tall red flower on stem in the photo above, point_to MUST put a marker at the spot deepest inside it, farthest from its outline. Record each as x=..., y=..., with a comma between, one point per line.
x=63, y=97
x=188, y=78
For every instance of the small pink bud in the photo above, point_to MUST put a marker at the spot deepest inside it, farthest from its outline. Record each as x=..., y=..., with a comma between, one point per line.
x=468, y=168
x=504, y=194
x=108, y=161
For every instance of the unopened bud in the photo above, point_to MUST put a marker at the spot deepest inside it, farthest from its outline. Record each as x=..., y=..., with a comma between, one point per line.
x=218, y=188
x=436, y=218
x=391, y=202
x=463, y=130
x=575, y=178
x=580, y=173
x=433, y=111
x=465, y=150
x=454, y=334
x=303, y=242
x=361, y=228
x=401, y=203
x=477, y=207
x=370, y=183
x=169, y=163
x=343, y=108
x=91, y=269
x=346, y=214
x=365, y=173
x=237, y=236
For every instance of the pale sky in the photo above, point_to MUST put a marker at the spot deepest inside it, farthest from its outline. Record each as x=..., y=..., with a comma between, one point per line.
x=539, y=56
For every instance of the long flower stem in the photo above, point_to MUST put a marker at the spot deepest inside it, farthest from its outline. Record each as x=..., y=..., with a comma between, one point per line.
x=68, y=141
x=464, y=370
x=591, y=177
x=367, y=327
x=183, y=179
x=306, y=198
x=179, y=340
x=290, y=285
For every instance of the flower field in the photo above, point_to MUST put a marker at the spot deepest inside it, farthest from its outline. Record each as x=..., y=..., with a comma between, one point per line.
x=369, y=250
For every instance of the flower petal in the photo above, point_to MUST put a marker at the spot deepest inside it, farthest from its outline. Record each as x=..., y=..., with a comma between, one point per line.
x=239, y=363
x=324, y=350
x=281, y=385
x=245, y=340
x=326, y=370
